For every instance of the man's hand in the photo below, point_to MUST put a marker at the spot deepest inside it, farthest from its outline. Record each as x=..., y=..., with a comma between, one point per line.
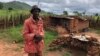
x=37, y=38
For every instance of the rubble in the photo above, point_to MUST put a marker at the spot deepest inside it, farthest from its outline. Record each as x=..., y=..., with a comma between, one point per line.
x=82, y=42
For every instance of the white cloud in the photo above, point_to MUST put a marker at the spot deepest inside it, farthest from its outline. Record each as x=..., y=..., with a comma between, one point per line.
x=67, y=2
x=6, y=0
x=67, y=9
x=46, y=9
x=59, y=6
x=48, y=4
x=31, y=3
x=94, y=10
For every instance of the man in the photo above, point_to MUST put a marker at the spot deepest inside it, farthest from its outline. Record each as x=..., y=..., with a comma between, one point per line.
x=33, y=33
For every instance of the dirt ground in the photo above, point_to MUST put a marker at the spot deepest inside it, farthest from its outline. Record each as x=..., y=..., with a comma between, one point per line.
x=9, y=49
x=93, y=34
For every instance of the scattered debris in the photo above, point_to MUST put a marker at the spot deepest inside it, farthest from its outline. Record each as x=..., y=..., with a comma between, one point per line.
x=81, y=42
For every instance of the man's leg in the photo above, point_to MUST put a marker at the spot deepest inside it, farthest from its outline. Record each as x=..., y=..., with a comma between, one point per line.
x=39, y=53
x=31, y=54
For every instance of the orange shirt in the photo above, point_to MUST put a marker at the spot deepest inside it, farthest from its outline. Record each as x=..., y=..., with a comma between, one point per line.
x=30, y=28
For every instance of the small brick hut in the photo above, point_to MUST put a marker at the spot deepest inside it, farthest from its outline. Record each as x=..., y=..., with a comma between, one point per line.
x=70, y=23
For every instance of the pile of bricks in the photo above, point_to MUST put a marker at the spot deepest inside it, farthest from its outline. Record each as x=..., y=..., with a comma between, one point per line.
x=90, y=45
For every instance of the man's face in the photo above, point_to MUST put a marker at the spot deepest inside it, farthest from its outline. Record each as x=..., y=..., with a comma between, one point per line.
x=35, y=13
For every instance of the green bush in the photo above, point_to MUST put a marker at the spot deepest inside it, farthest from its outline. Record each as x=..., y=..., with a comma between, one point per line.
x=12, y=34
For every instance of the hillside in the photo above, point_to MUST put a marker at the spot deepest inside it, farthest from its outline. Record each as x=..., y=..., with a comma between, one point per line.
x=16, y=5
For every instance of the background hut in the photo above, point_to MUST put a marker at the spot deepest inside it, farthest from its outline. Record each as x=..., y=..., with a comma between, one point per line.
x=69, y=24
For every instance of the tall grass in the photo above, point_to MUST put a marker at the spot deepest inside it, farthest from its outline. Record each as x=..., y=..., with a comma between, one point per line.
x=12, y=34
x=15, y=14
x=12, y=18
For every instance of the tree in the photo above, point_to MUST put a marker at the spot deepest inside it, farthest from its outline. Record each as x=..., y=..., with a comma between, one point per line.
x=1, y=5
x=65, y=13
x=84, y=13
x=96, y=14
x=51, y=14
x=97, y=17
x=10, y=8
x=77, y=13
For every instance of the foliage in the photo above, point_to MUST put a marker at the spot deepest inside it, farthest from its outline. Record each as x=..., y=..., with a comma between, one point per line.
x=1, y=5
x=77, y=13
x=65, y=13
x=96, y=14
x=10, y=8
x=67, y=54
x=12, y=34
x=49, y=36
x=14, y=14
x=83, y=13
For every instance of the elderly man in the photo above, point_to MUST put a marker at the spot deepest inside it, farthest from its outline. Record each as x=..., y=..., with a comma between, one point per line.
x=33, y=33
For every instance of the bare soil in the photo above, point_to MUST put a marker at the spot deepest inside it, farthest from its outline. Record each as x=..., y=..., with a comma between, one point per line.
x=13, y=49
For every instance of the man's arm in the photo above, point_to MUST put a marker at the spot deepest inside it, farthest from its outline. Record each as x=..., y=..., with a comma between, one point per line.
x=26, y=34
x=42, y=29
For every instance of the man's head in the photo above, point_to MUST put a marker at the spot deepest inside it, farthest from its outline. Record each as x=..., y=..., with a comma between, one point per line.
x=35, y=11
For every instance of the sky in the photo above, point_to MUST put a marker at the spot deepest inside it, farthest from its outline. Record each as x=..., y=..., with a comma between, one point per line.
x=58, y=6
